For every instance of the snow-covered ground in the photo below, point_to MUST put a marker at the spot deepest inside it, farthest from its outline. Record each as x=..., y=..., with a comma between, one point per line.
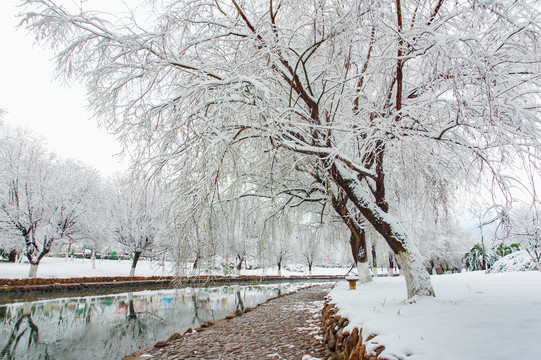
x=50, y=267
x=60, y=267
x=473, y=316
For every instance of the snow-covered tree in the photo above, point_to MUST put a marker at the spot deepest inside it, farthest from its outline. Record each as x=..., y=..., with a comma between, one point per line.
x=72, y=192
x=239, y=224
x=279, y=236
x=96, y=222
x=351, y=92
x=526, y=230
x=136, y=215
x=24, y=178
x=311, y=236
x=42, y=199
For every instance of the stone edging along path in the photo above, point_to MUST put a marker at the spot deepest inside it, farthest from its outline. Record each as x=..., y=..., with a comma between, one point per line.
x=344, y=344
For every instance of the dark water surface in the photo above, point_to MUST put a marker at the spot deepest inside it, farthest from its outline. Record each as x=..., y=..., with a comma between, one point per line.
x=111, y=326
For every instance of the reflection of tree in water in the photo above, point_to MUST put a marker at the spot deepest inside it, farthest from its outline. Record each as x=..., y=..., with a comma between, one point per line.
x=203, y=308
x=239, y=302
x=24, y=325
x=84, y=308
x=135, y=325
x=106, y=327
x=131, y=309
x=201, y=305
x=195, y=295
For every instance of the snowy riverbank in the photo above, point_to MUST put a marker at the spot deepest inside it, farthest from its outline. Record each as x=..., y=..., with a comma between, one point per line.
x=61, y=268
x=473, y=316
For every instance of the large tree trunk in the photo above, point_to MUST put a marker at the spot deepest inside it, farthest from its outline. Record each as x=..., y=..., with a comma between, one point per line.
x=408, y=256
x=134, y=262
x=417, y=278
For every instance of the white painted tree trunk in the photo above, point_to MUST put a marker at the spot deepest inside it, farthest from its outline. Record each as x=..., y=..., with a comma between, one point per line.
x=375, y=271
x=390, y=271
x=363, y=270
x=538, y=265
x=33, y=270
x=417, y=278
x=279, y=272
x=93, y=258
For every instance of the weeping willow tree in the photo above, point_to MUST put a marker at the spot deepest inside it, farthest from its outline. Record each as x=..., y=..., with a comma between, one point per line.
x=340, y=91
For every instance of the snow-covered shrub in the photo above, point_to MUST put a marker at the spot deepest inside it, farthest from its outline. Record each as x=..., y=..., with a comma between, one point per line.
x=479, y=258
x=516, y=261
x=482, y=258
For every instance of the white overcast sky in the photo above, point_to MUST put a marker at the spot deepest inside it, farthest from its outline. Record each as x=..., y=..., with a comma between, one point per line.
x=51, y=109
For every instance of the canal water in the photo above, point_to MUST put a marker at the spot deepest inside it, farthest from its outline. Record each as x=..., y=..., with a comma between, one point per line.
x=111, y=326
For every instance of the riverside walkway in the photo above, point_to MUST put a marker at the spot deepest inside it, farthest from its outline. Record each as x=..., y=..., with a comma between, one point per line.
x=286, y=327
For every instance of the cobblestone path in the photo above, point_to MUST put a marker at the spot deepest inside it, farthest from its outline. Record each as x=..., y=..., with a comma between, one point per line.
x=284, y=328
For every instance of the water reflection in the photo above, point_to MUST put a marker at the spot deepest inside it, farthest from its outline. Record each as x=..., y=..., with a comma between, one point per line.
x=23, y=324
x=111, y=326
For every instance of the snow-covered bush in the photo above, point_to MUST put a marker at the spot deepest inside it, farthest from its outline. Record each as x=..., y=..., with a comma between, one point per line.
x=482, y=258
x=516, y=261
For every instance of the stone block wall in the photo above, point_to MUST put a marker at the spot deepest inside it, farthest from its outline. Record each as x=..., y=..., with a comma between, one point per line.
x=346, y=345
